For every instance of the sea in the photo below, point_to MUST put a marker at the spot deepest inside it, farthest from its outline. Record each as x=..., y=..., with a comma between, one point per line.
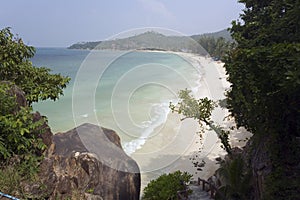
x=127, y=91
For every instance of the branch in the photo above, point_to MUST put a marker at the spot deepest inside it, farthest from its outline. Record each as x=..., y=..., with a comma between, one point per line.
x=223, y=135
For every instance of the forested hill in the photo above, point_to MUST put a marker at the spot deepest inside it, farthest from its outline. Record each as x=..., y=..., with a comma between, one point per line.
x=220, y=34
x=153, y=40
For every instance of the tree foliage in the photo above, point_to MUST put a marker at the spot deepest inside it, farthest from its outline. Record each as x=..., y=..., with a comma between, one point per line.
x=166, y=186
x=16, y=67
x=200, y=110
x=265, y=92
x=18, y=130
x=19, y=133
x=216, y=47
x=264, y=68
x=235, y=178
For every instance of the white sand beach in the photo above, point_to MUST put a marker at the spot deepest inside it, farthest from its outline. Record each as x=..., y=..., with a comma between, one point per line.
x=172, y=150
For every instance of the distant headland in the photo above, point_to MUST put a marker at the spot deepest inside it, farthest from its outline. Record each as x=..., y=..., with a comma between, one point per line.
x=151, y=40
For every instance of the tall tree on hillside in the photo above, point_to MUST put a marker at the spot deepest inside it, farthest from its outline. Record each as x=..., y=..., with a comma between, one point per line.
x=264, y=70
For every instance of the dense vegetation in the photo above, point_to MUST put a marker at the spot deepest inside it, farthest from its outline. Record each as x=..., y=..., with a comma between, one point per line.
x=219, y=34
x=216, y=47
x=85, y=45
x=18, y=131
x=21, y=84
x=264, y=97
x=17, y=134
x=236, y=179
x=166, y=186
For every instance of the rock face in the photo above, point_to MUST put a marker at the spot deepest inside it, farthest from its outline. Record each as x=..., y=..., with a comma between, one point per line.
x=46, y=134
x=88, y=162
x=258, y=159
x=15, y=91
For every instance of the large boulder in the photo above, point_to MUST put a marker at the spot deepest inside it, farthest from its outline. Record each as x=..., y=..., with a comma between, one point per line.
x=88, y=162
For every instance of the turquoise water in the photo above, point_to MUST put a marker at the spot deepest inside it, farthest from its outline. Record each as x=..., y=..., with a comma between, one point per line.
x=128, y=92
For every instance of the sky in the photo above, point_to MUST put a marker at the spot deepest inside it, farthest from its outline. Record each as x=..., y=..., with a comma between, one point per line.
x=60, y=23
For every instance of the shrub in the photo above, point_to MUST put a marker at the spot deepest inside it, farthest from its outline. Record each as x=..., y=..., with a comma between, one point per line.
x=166, y=186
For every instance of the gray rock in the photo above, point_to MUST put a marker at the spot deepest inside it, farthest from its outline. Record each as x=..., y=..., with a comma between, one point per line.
x=72, y=170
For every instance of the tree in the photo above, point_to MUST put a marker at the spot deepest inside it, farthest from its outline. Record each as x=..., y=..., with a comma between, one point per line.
x=264, y=67
x=265, y=92
x=16, y=67
x=200, y=110
x=166, y=186
x=216, y=47
x=18, y=130
x=235, y=179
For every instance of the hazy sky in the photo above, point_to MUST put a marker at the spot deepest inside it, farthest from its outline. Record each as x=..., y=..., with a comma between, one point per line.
x=60, y=23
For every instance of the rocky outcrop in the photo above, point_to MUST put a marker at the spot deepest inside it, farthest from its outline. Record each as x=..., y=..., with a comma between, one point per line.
x=257, y=158
x=74, y=169
x=274, y=161
x=45, y=134
x=14, y=91
x=87, y=162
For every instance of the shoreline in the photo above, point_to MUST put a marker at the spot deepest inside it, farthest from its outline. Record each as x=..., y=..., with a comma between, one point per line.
x=179, y=152
x=168, y=152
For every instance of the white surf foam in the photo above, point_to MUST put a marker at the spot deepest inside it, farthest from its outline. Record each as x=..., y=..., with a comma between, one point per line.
x=159, y=115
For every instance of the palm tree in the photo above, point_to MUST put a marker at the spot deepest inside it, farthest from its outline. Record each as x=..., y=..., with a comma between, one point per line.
x=235, y=179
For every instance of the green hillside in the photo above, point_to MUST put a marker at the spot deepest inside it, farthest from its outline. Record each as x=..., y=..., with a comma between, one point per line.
x=154, y=40
x=223, y=33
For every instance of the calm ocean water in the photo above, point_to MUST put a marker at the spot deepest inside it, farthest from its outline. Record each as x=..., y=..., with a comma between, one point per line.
x=128, y=92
